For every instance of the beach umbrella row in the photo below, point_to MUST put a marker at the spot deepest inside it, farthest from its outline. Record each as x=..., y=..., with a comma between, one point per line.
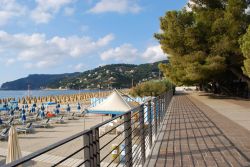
x=59, y=98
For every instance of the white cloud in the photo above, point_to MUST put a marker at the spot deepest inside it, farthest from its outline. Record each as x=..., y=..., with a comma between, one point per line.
x=45, y=9
x=119, y=6
x=69, y=11
x=153, y=54
x=84, y=28
x=10, y=61
x=79, y=67
x=127, y=53
x=36, y=50
x=10, y=9
x=105, y=40
x=41, y=64
x=124, y=53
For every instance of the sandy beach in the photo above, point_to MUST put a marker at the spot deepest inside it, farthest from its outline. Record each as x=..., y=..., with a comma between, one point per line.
x=43, y=137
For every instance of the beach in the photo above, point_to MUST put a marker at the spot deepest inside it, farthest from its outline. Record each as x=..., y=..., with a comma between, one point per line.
x=43, y=137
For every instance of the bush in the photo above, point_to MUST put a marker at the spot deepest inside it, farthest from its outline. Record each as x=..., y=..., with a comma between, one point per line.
x=151, y=88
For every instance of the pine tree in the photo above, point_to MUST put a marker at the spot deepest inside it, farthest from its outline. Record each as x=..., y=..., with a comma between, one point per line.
x=203, y=44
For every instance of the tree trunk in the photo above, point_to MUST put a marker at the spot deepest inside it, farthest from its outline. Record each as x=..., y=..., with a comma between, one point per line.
x=241, y=76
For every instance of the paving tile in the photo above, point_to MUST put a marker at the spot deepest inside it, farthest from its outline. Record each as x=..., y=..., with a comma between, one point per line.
x=192, y=138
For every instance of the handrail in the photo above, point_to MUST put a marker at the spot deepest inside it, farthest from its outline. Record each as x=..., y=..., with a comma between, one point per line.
x=89, y=132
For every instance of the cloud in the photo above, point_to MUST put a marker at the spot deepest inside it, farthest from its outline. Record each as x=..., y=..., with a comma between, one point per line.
x=123, y=53
x=79, y=67
x=118, y=6
x=127, y=53
x=41, y=64
x=45, y=9
x=153, y=53
x=36, y=50
x=10, y=61
x=69, y=11
x=10, y=9
x=84, y=28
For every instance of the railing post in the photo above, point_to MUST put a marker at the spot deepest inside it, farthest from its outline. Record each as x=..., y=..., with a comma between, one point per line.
x=162, y=107
x=142, y=134
x=155, y=116
x=128, y=140
x=159, y=110
x=150, y=123
x=165, y=103
x=86, y=144
x=96, y=147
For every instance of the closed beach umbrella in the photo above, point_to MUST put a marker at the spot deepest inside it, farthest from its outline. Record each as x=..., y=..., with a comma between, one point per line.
x=68, y=108
x=12, y=113
x=17, y=108
x=23, y=118
x=5, y=105
x=42, y=114
x=42, y=107
x=57, y=111
x=78, y=107
x=33, y=109
x=14, y=151
x=26, y=105
x=23, y=110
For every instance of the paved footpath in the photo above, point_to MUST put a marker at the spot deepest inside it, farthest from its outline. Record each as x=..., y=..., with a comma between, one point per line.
x=193, y=134
x=235, y=109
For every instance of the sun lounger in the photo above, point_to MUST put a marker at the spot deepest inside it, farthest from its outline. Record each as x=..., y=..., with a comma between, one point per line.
x=4, y=134
x=44, y=124
x=82, y=114
x=34, y=117
x=72, y=117
x=9, y=122
x=59, y=121
x=25, y=129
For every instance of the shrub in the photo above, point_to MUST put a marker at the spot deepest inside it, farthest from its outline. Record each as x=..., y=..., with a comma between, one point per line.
x=151, y=88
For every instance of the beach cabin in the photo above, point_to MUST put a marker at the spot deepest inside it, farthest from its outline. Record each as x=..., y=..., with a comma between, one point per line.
x=115, y=104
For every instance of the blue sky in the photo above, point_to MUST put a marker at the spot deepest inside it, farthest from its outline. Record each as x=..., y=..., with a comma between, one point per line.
x=61, y=36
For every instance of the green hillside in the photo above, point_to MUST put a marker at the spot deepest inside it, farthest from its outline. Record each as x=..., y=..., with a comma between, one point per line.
x=108, y=76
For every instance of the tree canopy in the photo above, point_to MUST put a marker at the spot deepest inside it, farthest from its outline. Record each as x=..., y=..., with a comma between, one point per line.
x=204, y=43
x=151, y=88
x=245, y=46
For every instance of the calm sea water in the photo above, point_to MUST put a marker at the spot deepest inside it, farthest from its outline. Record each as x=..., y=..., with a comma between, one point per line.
x=35, y=93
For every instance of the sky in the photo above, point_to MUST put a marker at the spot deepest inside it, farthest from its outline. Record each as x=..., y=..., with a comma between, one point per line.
x=63, y=36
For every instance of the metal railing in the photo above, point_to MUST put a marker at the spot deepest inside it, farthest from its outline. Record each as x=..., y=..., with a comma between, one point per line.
x=124, y=140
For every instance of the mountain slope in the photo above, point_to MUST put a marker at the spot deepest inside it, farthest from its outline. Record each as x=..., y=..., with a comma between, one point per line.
x=35, y=81
x=114, y=75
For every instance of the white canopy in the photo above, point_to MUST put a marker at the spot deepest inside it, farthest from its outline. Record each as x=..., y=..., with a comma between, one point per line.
x=114, y=104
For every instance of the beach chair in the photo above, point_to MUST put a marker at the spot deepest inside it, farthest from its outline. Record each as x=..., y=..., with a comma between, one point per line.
x=44, y=124
x=10, y=121
x=25, y=129
x=4, y=134
x=34, y=118
x=82, y=114
x=60, y=120
x=72, y=117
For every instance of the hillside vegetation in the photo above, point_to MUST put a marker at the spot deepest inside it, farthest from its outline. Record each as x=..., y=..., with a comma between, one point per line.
x=108, y=76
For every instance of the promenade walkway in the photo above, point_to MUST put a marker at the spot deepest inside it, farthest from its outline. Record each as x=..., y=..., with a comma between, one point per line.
x=193, y=134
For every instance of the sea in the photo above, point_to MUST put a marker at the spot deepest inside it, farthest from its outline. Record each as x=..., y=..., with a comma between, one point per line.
x=36, y=93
